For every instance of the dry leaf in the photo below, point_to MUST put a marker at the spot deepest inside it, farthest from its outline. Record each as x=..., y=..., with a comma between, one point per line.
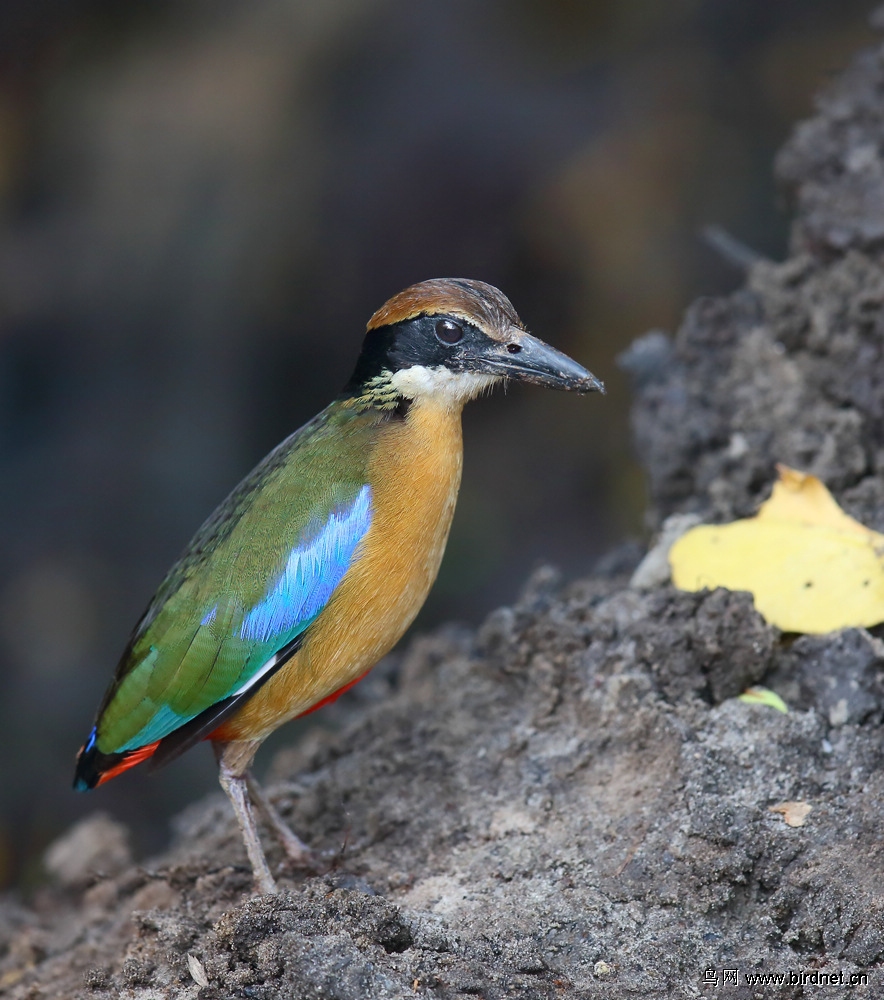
x=794, y=813
x=808, y=565
x=197, y=972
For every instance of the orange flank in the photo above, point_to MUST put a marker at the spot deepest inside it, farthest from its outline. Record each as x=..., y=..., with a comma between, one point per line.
x=334, y=695
x=218, y=734
x=132, y=758
x=415, y=473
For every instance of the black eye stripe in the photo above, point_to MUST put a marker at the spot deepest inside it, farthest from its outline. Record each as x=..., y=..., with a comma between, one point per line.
x=448, y=331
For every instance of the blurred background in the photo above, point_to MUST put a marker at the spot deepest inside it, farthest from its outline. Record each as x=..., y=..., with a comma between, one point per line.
x=201, y=203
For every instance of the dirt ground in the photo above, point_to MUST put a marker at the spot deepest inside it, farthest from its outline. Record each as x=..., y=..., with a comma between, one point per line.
x=570, y=802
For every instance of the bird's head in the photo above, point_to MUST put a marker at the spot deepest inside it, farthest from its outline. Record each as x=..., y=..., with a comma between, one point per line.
x=450, y=338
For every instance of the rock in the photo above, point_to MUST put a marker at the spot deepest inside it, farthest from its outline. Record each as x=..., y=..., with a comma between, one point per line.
x=840, y=675
x=96, y=845
x=654, y=570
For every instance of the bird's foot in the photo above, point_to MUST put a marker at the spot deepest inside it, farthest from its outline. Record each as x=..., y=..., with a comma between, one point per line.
x=265, y=883
x=297, y=852
x=236, y=788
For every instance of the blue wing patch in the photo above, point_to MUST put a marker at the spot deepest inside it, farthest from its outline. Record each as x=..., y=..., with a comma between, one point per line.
x=311, y=574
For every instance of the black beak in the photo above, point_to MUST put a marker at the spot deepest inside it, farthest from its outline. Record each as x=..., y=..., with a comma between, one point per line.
x=524, y=358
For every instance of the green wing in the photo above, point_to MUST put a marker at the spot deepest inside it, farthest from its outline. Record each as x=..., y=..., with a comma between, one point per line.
x=254, y=577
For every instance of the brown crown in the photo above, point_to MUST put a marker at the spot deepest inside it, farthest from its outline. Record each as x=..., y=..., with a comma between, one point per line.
x=474, y=301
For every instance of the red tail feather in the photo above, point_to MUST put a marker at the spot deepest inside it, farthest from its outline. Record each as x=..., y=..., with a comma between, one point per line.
x=132, y=758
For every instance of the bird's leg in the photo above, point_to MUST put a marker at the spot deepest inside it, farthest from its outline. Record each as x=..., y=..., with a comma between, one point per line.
x=296, y=850
x=235, y=784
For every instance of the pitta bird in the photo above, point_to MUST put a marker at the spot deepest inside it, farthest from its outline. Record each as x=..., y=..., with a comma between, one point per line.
x=315, y=565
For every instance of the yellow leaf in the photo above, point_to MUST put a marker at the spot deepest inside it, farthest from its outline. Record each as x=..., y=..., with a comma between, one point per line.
x=764, y=696
x=809, y=566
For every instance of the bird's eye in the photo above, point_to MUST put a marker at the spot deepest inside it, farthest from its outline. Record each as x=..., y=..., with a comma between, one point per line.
x=448, y=331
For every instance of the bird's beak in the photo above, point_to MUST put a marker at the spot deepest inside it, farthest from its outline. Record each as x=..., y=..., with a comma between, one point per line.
x=524, y=358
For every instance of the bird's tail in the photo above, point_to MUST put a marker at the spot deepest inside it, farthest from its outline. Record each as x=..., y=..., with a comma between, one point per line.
x=95, y=768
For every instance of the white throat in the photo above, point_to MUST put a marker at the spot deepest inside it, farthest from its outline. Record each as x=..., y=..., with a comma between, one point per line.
x=441, y=385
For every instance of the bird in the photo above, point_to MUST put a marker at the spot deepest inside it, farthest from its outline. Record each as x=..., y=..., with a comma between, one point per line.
x=316, y=564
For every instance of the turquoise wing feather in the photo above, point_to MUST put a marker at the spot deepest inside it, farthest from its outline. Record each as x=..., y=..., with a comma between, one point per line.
x=253, y=579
